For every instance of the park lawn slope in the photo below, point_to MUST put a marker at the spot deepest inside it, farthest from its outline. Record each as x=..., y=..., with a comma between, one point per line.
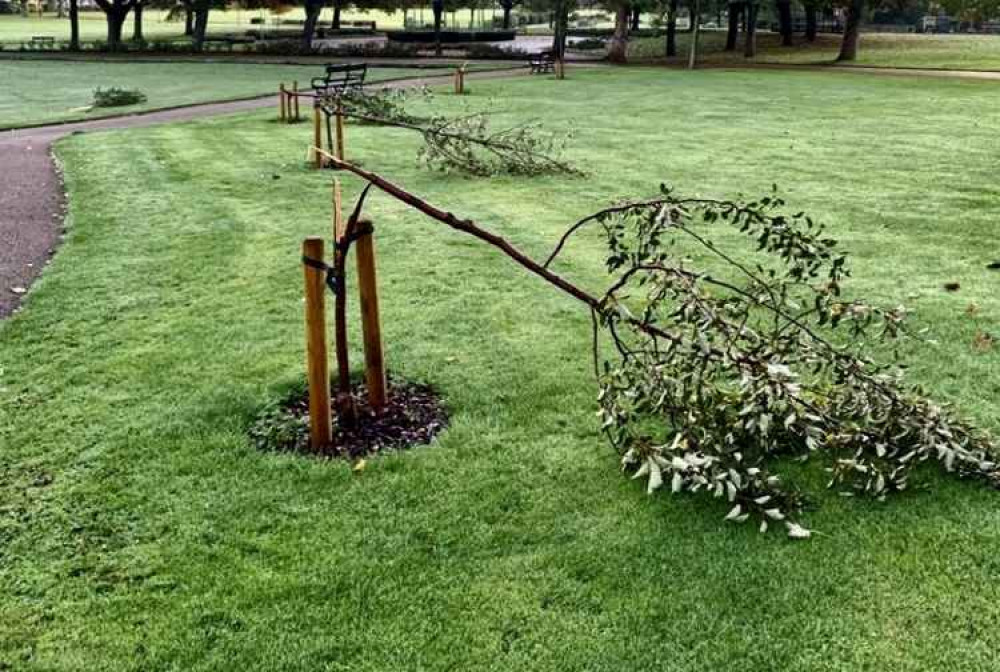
x=140, y=529
x=37, y=91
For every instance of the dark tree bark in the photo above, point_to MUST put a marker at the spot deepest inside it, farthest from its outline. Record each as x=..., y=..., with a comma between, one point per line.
x=313, y=9
x=438, y=7
x=636, y=16
x=337, y=5
x=810, y=9
x=618, y=51
x=508, y=7
x=672, y=28
x=785, y=21
x=115, y=12
x=852, y=29
x=74, y=25
x=200, y=8
x=750, y=34
x=733, y=33
x=137, y=25
x=560, y=24
x=696, y=23
x=188, y=20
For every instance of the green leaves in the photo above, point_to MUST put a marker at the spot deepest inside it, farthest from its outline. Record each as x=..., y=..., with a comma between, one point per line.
x=717, y=371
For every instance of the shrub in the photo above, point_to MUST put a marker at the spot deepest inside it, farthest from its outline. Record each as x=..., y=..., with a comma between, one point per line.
x=117, y=97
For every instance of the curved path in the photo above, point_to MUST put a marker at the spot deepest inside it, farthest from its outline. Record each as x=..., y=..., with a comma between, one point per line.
x=32, y=200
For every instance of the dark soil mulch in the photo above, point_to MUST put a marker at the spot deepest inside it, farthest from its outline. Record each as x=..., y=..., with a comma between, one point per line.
x=413, y=416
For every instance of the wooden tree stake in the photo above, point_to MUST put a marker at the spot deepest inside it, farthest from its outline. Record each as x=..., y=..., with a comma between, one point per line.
x=282, y=103
x=317, y=137
x=370, y=324
x=338, y=211
x=317, y=368
x=295, y=100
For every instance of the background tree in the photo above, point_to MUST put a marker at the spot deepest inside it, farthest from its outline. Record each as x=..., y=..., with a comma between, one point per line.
x=784, y=10
x=74, y=25
x=618, y=49
x=852, y=30
x=313, y=9
x=750, y=34
x=735, y=14
x=508, y=7
x=671, y=28
x=811, y=9
x=137, y=22
x=115, y=12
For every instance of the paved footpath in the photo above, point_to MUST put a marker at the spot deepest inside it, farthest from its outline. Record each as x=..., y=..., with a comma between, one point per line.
x=32, y=200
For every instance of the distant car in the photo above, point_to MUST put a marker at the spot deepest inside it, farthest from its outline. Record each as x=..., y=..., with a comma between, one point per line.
x=7, y=7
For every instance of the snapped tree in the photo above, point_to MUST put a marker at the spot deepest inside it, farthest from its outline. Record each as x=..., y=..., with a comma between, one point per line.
x=721, y=369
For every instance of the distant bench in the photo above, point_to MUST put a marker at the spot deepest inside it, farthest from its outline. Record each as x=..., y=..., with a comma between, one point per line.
x=41, y=42
x=542, y=63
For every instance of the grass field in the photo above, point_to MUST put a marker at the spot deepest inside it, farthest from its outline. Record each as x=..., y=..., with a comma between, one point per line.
x=893, y=50
x=140, y=530
x=47, y=91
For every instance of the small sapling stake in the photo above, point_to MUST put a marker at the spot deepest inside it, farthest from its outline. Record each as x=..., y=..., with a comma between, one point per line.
x=370, y=323
x=317, y=368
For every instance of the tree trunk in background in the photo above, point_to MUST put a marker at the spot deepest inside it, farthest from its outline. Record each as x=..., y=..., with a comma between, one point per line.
x=810, y=9
x=750, y=34
x=507, y=9
x=137, y=25
x=188, y=21
x=785, y=21
x=852, y=26
x=636, y=16
x=696, y=22
x=200, y=24
x=74, y=25
x=438, y=7
x=618, y=51
x=733, y=33
x=335, y=24
x=672, y=28
x=116, y=21
x=313, y=10
x=560, y=26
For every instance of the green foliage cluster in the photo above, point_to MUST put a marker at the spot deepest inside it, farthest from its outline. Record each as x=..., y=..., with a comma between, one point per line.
x=117, y=97
x=719, y=372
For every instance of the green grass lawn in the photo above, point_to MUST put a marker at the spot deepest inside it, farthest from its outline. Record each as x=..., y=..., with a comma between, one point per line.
x=959, y=52
x=140, y=530
x=46, y=91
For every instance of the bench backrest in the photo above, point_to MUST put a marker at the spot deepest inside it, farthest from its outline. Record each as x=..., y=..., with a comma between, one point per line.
x=341, y=77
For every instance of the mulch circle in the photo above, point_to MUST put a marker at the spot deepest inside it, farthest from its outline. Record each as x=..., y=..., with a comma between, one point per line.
x=413, y=416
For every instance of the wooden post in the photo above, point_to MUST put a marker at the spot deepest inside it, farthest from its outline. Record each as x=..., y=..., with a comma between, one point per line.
x=370, y=325
x=459, y=81
x=295, y=100
x=340, y=131
x=282, y=102
x=560, y=69
x=338, y=211
x=317, y=369
x=317, y=136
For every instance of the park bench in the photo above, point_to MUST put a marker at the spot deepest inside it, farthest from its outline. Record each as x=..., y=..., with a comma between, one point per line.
x=339, y=78
x=542, y=63
x=42, y=42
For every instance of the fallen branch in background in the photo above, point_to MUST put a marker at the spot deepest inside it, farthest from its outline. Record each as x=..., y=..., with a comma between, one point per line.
x=465, y=143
